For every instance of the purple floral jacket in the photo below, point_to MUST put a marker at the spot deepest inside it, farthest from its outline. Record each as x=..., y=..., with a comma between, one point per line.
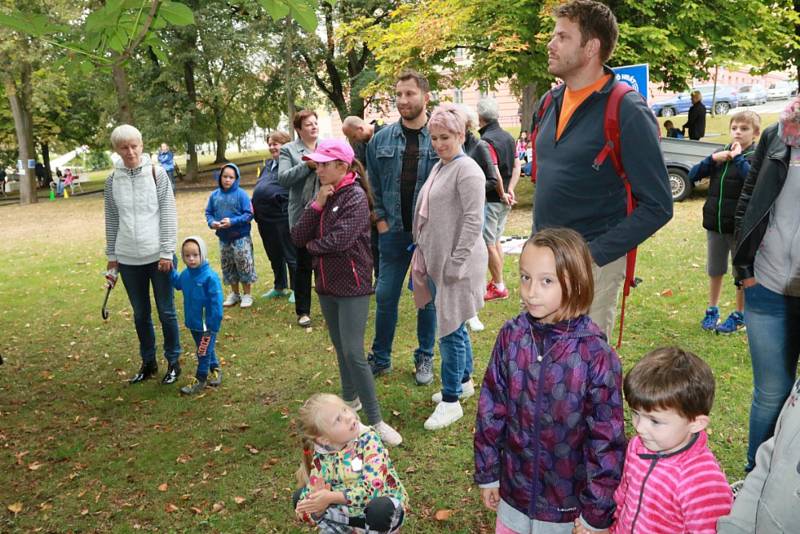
x=550, y=423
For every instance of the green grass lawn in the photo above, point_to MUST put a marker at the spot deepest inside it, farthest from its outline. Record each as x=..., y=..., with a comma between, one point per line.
x=82, y=451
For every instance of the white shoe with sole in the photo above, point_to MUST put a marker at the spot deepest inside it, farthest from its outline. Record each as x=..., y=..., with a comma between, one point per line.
x=389, y=435
x=355, y=404
x=467, y=390
x=231, y=299
x=445, y=414
x=475, y=324
x=247, y=301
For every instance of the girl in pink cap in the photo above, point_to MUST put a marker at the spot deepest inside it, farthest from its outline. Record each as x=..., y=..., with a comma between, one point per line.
x=335, y=229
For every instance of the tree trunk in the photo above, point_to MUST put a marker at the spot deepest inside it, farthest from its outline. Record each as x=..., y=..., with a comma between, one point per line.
x=219, y=134
x=191, y=93
x=23, y=122
x=527, y=106
x=290, y=110
x=120, y=78
x=46, y=162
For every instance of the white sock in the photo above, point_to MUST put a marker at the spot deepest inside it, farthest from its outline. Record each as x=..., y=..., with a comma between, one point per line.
x=500, y=287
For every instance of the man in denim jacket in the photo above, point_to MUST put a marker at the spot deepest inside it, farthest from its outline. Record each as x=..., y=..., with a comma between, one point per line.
x=399, y=159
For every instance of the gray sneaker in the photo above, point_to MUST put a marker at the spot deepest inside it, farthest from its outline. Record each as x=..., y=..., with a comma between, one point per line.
x=423, y=369
x=215, y=377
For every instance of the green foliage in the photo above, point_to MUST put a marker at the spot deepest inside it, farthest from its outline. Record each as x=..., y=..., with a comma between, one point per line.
x=98, y=160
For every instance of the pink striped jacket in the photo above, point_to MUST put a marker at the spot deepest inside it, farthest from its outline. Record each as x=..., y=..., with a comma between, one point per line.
x=674, y=493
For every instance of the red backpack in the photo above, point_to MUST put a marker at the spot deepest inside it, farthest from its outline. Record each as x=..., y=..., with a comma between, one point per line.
x=610, y=148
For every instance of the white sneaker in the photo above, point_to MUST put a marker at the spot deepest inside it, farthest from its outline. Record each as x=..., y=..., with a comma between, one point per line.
x=355, y=404
x=467, y=390
x=475, y=324
x=231, y=299
x=389, y=435
x=445, y=414
x=247, y=301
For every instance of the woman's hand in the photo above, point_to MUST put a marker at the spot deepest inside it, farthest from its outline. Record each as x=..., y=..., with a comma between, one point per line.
x=112, y=265
x=325, y=192
x=382, y=226
x=164, y=266
x=749, y=282
x=490, y=497
x=578, y=528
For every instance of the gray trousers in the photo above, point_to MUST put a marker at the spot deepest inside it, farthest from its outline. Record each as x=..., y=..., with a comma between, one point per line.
x=347, y=321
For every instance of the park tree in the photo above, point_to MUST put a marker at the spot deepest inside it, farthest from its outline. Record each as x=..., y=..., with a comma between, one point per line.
x=680, y=39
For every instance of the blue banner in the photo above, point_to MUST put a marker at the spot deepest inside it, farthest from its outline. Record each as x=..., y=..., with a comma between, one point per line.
x=637, y=76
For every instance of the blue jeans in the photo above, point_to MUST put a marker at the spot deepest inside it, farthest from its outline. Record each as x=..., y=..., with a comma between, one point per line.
x=394, y=261
x=773, y=333
x=137, y=280
x=210, y=359
x=456, y=351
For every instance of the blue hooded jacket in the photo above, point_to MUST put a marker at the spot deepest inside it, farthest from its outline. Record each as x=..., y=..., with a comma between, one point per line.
x=233, y=203
x=202, y=292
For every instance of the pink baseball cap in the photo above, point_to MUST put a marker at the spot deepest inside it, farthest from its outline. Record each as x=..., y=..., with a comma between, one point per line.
x=331, y=150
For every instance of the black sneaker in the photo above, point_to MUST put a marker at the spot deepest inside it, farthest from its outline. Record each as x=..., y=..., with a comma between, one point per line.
x=173, y=373
x=145, y=371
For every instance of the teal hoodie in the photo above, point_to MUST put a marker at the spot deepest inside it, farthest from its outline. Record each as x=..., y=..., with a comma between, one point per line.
x=202, y=292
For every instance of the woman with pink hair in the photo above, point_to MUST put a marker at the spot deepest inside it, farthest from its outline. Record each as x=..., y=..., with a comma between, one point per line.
x=450, y=258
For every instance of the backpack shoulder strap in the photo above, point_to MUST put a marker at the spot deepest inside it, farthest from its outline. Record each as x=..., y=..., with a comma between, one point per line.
x=537, y=119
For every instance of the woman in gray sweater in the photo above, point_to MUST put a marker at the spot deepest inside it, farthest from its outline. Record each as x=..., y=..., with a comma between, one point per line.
x=450, y=258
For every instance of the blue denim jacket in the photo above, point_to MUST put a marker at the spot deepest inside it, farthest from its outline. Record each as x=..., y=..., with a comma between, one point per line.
x=384, y=165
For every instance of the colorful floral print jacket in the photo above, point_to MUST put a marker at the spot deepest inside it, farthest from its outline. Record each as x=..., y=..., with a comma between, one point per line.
x=550, y=424
x=362, y=470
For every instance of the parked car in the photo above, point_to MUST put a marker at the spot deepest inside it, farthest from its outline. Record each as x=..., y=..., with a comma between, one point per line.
x=726, y=99
x=680, y=155
x=780, y=90
x=752, y=95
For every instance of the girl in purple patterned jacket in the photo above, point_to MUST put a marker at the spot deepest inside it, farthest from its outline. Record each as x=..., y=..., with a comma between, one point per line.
x=549, y=438
x=335, y=229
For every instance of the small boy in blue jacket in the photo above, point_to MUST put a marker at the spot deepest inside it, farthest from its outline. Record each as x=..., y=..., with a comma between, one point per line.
x=229, y=212
x=202, y=310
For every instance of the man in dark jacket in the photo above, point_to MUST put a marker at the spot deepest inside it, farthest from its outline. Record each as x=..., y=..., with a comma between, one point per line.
x=573, y=192
x=696, y=122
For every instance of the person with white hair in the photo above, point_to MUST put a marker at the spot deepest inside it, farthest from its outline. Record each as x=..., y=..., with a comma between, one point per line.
x=500, y=198
x=141, y=235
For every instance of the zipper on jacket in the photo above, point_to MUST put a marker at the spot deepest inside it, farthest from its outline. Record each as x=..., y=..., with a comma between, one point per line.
x=721, y=191
x=321, y=265
x=355, y=274
x=537, y=412
x=641, y=494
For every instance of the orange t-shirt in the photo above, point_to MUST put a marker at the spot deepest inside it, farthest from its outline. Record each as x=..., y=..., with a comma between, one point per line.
x=573, y=99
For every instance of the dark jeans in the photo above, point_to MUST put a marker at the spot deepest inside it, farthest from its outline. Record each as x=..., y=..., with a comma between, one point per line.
x=302, y=282
x=395, y=259
x=137, y=280
x=773, y=334
x=209, y=361
x=280, y=251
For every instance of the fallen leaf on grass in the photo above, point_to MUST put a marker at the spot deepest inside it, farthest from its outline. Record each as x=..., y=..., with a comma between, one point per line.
x=239, y=500
x=218, y=448
x=666, y=293
x=196, y=510
x=163, y=487
x=183, y=458
x=442, y=515
x=411, y=469
x=251, y=449
x=34, y=466
x=219, y=505
x=169, y=508
x=15, y=508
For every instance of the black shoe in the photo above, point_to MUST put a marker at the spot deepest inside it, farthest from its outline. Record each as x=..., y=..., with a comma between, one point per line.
x=377, y=367
x=145, y=371
x=173, y=373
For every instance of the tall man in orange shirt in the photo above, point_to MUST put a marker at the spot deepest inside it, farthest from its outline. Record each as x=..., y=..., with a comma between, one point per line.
x=570, y=191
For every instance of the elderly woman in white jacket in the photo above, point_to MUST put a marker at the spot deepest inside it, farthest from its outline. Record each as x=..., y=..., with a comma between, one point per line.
x=141, y=234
